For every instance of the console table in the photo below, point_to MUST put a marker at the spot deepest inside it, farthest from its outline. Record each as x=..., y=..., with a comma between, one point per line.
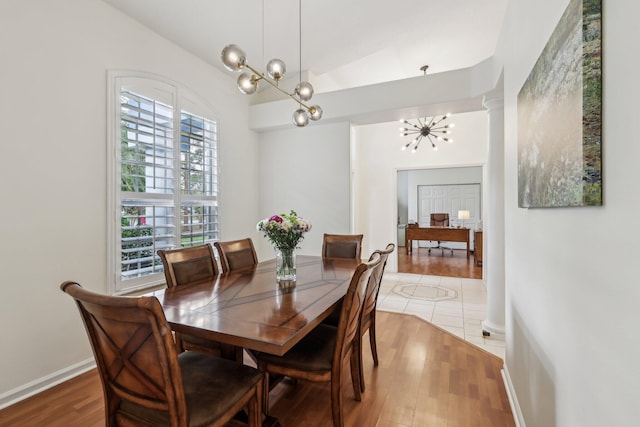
x=436, y=234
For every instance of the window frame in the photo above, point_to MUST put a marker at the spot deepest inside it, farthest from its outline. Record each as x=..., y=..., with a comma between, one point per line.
x=182, y=101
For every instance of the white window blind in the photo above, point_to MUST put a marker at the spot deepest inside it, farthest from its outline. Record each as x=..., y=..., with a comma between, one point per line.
x=198, y=180
x=167, y=194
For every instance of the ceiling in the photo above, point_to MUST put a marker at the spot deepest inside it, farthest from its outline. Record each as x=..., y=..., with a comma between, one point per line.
x=345, y=43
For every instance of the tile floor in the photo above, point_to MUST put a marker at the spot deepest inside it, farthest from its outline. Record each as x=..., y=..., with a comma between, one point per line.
x=455, y=304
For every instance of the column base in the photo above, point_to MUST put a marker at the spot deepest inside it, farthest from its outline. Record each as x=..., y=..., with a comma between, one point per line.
x=490, y=329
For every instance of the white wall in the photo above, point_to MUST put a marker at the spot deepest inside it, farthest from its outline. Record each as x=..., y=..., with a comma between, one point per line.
x=307, y=170
x=378, y=158
x=53, y=168
x=572, y=290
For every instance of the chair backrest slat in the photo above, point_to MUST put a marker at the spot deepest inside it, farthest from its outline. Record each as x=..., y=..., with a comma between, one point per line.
x=236, y=254
x=348, y=326
x=373, y=287
x=342, y=245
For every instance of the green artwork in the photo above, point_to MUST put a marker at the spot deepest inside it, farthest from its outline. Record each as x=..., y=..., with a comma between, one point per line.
x=560, y=115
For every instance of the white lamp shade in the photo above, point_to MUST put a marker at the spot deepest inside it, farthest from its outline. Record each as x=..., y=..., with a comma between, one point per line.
x=463, y=215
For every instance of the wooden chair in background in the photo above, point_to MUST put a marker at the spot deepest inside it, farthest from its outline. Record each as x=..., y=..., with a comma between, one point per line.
x=321, y=355
x=368, y=316
x=186, y=266
x=236, y=254
x=144, y=379
x=439, y=220
x=342, y=245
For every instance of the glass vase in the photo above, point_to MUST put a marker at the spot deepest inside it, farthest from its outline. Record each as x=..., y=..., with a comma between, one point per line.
x=285, y=265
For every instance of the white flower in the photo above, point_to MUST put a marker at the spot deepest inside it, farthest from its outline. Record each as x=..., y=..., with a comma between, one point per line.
x=284, y=231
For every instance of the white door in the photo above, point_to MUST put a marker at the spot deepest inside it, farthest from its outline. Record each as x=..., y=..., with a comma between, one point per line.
x=450, y=199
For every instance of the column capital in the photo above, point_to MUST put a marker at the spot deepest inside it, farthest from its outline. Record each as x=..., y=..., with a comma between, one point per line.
x=493, y=101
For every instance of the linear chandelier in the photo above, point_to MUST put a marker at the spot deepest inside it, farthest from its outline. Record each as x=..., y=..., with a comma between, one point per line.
x=234, y=59
x=426, y=129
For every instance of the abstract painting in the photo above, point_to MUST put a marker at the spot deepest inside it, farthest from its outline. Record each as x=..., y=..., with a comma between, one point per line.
x=560, y=115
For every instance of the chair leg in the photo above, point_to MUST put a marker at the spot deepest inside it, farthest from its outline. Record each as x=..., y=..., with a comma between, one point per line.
x=254, y=406
x=372, y=339
x=358, y=350
x=265, y=390
x=356, y=381
x=336, y=403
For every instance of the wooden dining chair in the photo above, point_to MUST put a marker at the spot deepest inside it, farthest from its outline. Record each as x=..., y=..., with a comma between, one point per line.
x=236, y=254
x=189, y=265
x=144, y=379
x=321, y=355
x=186, y=266
x=368, y=315
x=342, y=245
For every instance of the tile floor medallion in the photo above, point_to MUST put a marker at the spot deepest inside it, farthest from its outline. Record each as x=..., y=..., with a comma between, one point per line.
x=425, y=292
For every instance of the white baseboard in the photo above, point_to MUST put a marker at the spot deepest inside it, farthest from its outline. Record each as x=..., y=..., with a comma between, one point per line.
x=513, y=400
x=44, y=383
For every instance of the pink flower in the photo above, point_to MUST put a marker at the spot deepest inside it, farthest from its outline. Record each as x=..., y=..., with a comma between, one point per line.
x=275, y=218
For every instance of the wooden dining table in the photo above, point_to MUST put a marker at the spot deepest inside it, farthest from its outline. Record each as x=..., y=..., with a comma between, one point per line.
x=248, y=308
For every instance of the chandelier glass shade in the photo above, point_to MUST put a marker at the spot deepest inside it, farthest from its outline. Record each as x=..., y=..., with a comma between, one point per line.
x=431, y=129
x=234, y=59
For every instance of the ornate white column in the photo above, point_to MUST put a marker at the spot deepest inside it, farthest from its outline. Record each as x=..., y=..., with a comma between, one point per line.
x=493, y=233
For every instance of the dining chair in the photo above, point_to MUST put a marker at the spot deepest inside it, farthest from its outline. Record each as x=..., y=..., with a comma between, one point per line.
x=186, y=266
x=189, y=265
x=342, y=245
x=236, y=254
x=321, y=354
x=368, y=315
x=146, y=382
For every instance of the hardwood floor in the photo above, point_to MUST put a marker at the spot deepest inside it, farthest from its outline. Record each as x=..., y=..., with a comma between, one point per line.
x=420, y=262
x=426, y=377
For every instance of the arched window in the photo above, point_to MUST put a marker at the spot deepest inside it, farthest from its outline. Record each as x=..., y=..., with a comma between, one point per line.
x=163, y=176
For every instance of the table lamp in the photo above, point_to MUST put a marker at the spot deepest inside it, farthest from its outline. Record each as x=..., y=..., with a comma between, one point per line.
x=463, y=215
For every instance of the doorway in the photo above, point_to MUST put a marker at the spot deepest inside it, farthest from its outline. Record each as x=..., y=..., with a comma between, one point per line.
x=414, y=187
